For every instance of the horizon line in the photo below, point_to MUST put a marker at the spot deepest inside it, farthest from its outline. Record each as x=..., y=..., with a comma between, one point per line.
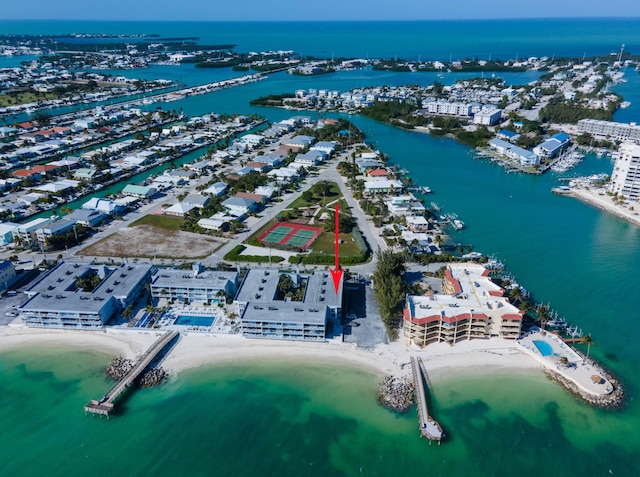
x=621, y=17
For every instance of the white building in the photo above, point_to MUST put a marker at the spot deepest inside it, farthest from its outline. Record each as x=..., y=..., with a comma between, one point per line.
x=488, y=116
x=448, y=108
x=625, y=178
x=610, y=129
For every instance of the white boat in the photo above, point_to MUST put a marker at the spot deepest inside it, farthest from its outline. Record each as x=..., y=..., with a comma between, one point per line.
x=625, y=104
x=458, y=224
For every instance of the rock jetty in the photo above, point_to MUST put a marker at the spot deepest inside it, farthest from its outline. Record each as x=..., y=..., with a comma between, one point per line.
x=152, y=377
x=613, y=400
x=396, y=393
x=119, y=367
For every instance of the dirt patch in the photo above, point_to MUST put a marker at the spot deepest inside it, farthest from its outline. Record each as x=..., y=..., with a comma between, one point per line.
x=147, y=241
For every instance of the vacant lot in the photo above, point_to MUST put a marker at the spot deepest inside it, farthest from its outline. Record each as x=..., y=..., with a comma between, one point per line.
x=148, y=241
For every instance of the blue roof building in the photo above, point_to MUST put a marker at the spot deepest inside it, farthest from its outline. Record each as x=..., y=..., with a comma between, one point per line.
x=552, y=146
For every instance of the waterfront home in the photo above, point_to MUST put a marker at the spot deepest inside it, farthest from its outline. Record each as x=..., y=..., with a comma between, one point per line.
x=365, y=164
x=380, y=173
x=405, y=205
x=102, y=205
x=85, y=174
x=300, y=142
x=252, y=140
x=87, y=217
x=382, y=186
x=417, y=223
x=471, y=307
x=141, y=192
x=58, y=186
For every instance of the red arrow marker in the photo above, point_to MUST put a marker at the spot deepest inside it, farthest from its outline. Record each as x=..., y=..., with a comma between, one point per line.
x=336, y=274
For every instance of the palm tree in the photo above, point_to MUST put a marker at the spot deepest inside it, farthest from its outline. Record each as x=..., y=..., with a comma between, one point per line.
x=586, y=339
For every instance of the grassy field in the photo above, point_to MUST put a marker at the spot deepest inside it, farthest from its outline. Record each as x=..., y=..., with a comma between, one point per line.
x=334, y=193
x=161, y=221
x=325, y=244
x=24, y=97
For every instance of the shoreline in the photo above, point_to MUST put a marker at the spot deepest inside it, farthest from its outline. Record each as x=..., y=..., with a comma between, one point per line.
x=604, y=203
x=195, y=351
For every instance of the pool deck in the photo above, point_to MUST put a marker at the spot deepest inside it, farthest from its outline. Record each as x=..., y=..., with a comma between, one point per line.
x=579, y=371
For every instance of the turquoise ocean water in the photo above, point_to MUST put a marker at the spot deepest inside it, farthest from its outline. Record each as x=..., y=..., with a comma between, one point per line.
x=276, y=418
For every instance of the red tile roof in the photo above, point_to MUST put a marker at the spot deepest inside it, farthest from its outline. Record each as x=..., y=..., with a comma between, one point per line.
x=456, y=284
x=381, y=172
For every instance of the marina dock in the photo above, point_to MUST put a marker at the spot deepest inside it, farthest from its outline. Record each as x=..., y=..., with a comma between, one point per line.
x=429, y=427
x=105, y=406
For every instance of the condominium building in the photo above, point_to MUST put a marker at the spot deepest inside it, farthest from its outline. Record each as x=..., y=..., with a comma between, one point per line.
x=67, y=298
x=472, y=307
x=448, y=108
x=268, y=311
x=195, y=285
x=625, y=178
x=610, y=129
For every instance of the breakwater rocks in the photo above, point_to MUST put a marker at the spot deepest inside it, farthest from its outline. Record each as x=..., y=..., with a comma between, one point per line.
x=613, y=400
x=119, y=367
x=152, y=377
x=396, y=393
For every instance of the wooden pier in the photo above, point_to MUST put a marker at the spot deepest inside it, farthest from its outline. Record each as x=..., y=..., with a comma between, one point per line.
x=106, y=404
x=429, y=427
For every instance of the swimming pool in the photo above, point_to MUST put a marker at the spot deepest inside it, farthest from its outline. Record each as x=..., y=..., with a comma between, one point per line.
x=544, y=347
x=187, y=320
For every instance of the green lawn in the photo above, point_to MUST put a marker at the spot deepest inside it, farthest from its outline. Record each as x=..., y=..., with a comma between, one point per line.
x=161, y=221
x=24, y=97
x=325, y=244
x=334, y=193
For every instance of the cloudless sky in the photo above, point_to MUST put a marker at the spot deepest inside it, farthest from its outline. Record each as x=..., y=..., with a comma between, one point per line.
x=288, y=10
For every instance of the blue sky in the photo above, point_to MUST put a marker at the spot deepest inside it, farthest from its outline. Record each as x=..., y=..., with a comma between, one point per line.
x=255, y=10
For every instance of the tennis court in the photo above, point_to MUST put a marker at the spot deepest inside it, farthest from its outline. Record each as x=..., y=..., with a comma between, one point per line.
x=290, y=236
x=278, y=234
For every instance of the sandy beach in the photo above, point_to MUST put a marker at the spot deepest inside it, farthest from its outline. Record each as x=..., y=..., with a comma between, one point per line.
x=599, y=198
x=196, y=350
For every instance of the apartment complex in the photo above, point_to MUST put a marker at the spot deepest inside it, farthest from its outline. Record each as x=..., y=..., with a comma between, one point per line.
x=83, y=296
x=195, y=285
x=267, y=310
x=471, y=307
x=610, y=129
x=625, y=178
